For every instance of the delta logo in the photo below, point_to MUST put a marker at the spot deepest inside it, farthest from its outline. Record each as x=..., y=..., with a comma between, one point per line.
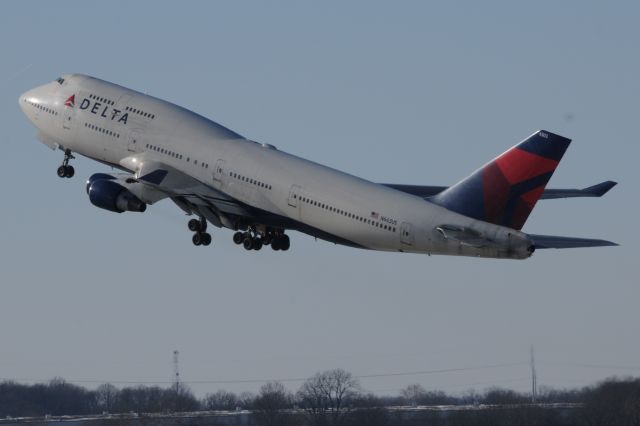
x=99, y=109
x=71, y=101
x=104, y=111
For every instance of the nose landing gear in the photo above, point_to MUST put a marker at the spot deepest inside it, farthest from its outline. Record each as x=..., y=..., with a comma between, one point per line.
x=200, y=236
x=65, y=170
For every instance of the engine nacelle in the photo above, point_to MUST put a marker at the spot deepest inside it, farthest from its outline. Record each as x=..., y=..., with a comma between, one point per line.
x=97, y=176
x=107, y=194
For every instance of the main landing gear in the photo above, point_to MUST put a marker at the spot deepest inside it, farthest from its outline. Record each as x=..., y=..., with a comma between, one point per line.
x=200, y=236
x=254, y=240
x=65, y=170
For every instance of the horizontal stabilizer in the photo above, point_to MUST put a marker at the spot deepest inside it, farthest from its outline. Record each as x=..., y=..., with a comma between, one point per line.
x=427, y=191
x=553, y=241
x=593, y=191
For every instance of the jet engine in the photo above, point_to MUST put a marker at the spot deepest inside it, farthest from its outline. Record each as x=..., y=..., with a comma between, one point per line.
x=106, y=193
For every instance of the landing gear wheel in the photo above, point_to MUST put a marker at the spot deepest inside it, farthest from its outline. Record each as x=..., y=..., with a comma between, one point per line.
x=285, y=243
x=248, y=243
x=197, y=239
x=257, y=244
x=65, y=170
x=275, y=244
x=194, y=225
x=205, y=239
x=238, y=237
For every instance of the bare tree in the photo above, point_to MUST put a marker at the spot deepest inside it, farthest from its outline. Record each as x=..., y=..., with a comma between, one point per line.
x=245, y=400
x=221, y=400
x=413, y=394
x=326, y=396
x=268, y=405
x=106, y=397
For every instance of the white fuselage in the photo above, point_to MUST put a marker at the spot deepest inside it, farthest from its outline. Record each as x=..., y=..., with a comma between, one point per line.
x=111, y=123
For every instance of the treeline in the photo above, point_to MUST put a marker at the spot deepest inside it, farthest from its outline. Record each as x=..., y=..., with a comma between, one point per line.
x=333, y=398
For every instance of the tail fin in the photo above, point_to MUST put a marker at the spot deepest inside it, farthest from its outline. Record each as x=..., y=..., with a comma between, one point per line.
x=506, y=190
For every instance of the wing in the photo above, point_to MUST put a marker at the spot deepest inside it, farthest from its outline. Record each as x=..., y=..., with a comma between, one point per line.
x=592, y=191
x=153, y=181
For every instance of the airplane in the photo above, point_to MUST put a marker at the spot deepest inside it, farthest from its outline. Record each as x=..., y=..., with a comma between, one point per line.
x=228, y=181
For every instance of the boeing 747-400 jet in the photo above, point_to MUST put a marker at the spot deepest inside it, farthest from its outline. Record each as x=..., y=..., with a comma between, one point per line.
x=228, y=181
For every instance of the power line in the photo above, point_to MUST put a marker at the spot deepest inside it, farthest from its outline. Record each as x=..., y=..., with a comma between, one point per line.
x=597, y=366
x=283, y=380
x=458, y=385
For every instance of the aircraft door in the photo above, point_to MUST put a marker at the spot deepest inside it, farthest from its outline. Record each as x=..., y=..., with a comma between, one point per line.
x=133, y=141
x=68, y=116
x=218, y=171
x=406, y=234
x=294, y=201
x=294, y=195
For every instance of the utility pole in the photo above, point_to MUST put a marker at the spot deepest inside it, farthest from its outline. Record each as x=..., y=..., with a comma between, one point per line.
x=176, y=381
x=534, y=379
x=176, y=372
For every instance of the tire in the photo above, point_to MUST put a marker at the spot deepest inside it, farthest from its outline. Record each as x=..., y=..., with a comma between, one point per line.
x=206, y=239
x=275, y=243
x=62, y=171
x=197, y=239
x=285, y=243
x=194, y=225
x=238, y=238
x=248, y=243
x=257, y=244
x=70, y=172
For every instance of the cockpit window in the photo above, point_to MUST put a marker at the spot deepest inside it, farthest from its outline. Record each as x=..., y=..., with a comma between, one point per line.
x=60, y=80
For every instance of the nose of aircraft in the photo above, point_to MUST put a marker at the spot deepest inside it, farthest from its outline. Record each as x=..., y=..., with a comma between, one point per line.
x=29, y=99
x=22, y=100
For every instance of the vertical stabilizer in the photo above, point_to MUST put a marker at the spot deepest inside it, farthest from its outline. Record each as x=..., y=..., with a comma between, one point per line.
x=505, y=190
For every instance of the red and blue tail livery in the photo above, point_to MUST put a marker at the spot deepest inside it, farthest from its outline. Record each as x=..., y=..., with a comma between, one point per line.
x=505, y=191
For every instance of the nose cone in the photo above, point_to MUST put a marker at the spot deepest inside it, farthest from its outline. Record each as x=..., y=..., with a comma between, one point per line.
x=27, y=102
x=25, y=105
x=22, y=101
x=33, y=100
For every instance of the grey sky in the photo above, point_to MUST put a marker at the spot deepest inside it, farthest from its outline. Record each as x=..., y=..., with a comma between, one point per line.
x=404, y=92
